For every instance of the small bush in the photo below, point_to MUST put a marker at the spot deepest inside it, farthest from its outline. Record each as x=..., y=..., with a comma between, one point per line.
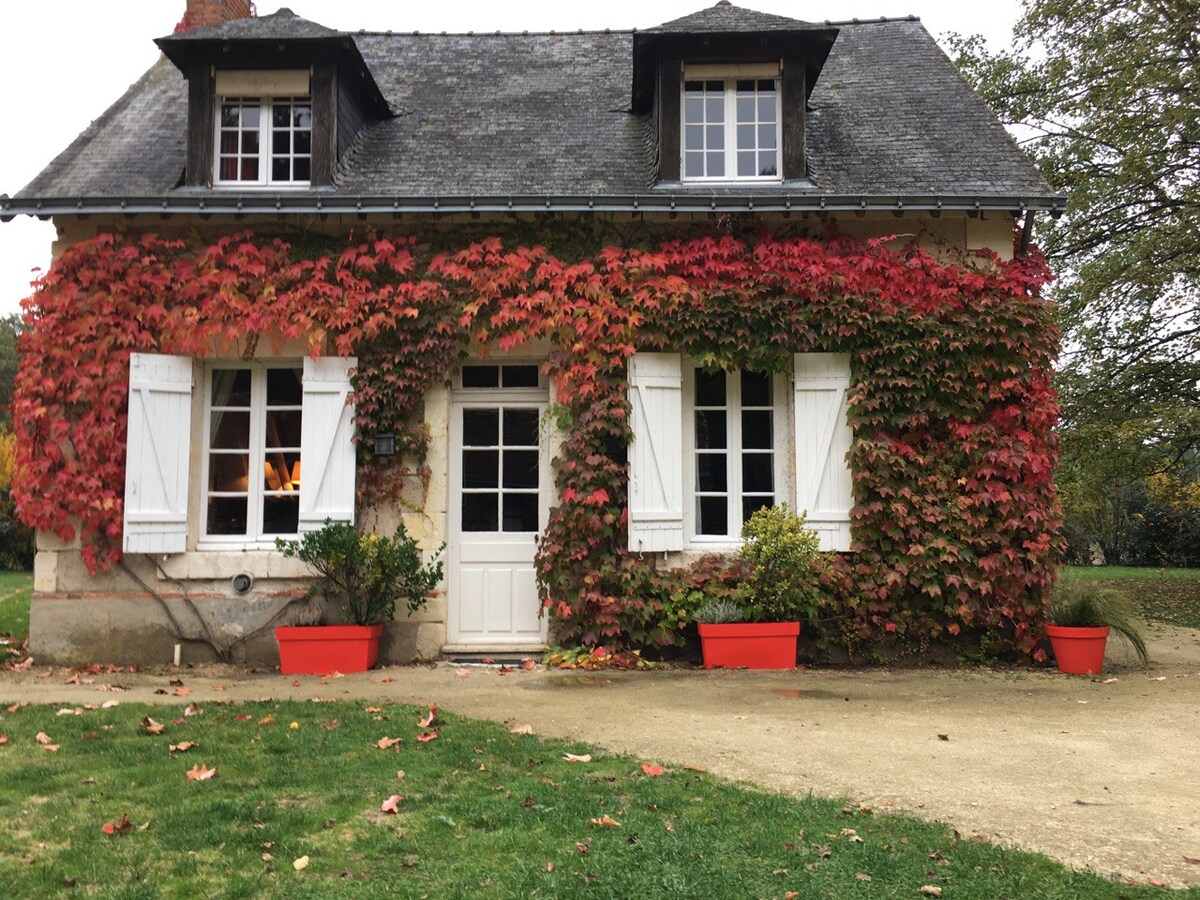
x=367, y=573
x=782, y=557
x=17, y=545
x=1084, y=603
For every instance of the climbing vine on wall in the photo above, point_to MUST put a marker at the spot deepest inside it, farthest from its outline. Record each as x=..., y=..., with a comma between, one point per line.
x=955, y=521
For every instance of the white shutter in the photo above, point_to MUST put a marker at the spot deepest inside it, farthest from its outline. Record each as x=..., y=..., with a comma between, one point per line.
x=326, y=445
x=656, y=454
x=823, y=437
x=157, y=448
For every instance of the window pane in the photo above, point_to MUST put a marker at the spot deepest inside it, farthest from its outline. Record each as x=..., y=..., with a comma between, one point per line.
x=745, y=109
x=745, y=164
x=756, y=430
x=714, y=86
x=693, y=165
x=302, y=169
x=716, y=165
x=281, y=115
x=481, y=468
x=249, y=142
x=250, y=116
x=710, y=388
x=768, y=163
x=303, y=141
x=481, y=376
x=229, y=168
x=281, y=170
x=751, y=504
x=745, y=84
x=226, y=515
x=231, y=387
x=766, y=84
x=520, y=376
x=714, y=109
x=302, y=117
x=693, y=137
x=766, y=137
x=710, y=429
x=281, y=515
x=481, y=427
x=713, y=513
x=520, y=512
x=285, y=387
x=520, y=427
x=756, y=388
x=230, y=431
x=229, y=142
x=745, y=136
x=250, y=170
x=693, y=86
x=480, y=512
x=766, y=108
x=281, y=142
x=693, y=109
x=229, y=116
x=281, y=472
x=520, y=468
x=228, y=472
x=283, y=428
x=712, y=472
x=758, y=473
x=715, y=137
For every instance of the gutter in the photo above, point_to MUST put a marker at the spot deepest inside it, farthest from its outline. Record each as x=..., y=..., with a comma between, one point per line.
x=267, y=203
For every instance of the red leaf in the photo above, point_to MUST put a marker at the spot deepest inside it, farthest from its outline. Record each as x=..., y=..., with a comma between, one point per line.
x=392, y=804
x=652, y=770
x=426, y=736
x=201, y=772
x=121, y=825
x=426, y=721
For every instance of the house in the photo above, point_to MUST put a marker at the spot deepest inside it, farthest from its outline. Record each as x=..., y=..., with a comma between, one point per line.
x=813, y=298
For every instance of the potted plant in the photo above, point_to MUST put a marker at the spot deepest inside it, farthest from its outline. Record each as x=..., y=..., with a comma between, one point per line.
x=367, y=574
x=1082, y=613
x=757, y=625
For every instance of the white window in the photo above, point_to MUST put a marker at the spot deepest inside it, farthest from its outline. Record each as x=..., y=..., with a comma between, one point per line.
x=252, y=466
x=733, y=428
x=264, y=141
x=731, y=126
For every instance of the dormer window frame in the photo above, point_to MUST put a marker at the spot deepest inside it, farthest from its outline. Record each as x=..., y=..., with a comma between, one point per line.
x=732, y=78
x=266, y=131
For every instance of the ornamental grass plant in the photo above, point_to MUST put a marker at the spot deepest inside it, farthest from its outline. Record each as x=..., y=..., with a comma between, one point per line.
x=1083, y=603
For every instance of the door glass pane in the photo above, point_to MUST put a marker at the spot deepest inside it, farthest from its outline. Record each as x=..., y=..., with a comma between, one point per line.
x=481, y=427
x=480, y=512
x=481, y=468
x=756, y=429
x=228, y=472
x=520, y=512
x=758, y=473
x=750, y=504
x=520, y=427
x=520, y=376
x=710, y=429
x=283, y=428
x=230, y=430
x=756, y=389
x=520, y=468
x=231, y=387
x=713, y=515
x=281, y=515
x=226, y=515
x=711, y=472
x=710, y=388
x=481, y=376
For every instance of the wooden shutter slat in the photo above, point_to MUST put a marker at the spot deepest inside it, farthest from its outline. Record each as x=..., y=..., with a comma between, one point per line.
x=326, y=443
x=158, y=448
x=655, y=456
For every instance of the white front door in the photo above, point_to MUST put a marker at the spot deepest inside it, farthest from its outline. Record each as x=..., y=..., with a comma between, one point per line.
x=499, y=490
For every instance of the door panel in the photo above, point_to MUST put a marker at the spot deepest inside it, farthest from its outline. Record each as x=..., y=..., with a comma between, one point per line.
x=499, y=483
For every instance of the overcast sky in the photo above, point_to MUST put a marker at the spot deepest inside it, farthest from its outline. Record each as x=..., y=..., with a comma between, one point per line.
x=66, y=61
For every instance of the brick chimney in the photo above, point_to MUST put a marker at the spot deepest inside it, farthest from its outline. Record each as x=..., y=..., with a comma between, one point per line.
x=203, y=13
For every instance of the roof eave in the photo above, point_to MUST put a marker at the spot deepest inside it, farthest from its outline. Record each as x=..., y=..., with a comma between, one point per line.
x=267, y=203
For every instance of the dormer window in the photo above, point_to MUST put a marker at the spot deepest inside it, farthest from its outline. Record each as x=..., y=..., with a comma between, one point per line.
x=731, y=124
x=264, y=141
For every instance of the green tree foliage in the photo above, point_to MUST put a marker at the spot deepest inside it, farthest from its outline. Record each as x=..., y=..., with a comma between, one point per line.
x=1105, y=94
x=10, y=329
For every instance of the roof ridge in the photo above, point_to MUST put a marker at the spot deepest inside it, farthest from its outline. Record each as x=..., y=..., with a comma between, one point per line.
x=362, y=32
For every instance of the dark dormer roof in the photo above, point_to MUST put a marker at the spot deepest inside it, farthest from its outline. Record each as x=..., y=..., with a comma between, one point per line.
x=728, y=19
x=282, y=25
x=543, y=121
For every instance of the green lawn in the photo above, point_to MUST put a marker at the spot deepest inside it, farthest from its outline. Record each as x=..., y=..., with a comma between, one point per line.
x=15, y=590
x=1166, y=595
x=484, y=812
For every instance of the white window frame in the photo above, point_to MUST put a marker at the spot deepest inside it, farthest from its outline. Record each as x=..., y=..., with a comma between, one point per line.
x=265, y=145
x=730, y=75
x=253, y=539
x=780, y=393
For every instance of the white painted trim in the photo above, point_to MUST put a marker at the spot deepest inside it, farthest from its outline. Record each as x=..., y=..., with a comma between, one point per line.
x=714, y=71
x=262, y=82
x=722, y=73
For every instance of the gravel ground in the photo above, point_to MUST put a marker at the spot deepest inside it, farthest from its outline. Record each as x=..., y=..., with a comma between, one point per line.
x=1102, y=773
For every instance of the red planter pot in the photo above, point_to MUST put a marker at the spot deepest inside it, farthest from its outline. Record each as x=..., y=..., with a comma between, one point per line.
x=751, y=645
x=1078, y=651
x=320, y=649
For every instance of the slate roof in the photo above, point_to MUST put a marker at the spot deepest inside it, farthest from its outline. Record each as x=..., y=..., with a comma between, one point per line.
x=726, y=18
x=281, y=25
x=542, y=121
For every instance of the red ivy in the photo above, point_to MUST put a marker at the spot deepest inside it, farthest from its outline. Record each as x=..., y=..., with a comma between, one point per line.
x=956, y=520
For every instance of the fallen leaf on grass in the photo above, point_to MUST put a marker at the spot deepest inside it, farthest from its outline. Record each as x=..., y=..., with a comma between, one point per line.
x=50, y=748
x=183, y=746
x=373, y=709
x=930, y=890
x=583, y=757
x=605, y=821
x=652, y=770
x=201, y=772
x=109, y=687
x=18, y=706
x=426, y=736
x=331, y=725
x=426, y=721
x=109, y=704
x=77, y=711
x=153, y=727
x=392, y=804
x=862, y=876
x=182, y=691
x=242, y=717
x=670, y=827
x=583, y=848
x=1156, y=882
x=43, y=738
x=266, y=720
x=192, y=710
x=549, y=867
x=386, y=743
x=3, y=739
x=521, y=729
x=300, y=863
x=114, y=827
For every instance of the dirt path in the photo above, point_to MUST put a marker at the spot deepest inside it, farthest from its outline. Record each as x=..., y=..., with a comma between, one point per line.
x=1101, y=773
